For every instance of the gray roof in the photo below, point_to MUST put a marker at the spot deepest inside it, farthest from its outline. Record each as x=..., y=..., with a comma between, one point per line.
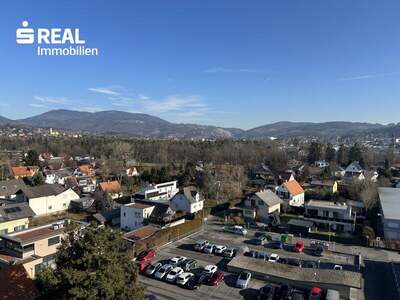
x=390, y=202
x=354, y=167
x=268, y=197
x=190, y=193
x=44, y=190
x=15, y=212
x=10, y=187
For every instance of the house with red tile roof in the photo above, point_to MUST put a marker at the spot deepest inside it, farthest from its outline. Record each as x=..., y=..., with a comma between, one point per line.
x=113, y=188
x=24, y=171
x=291, y=193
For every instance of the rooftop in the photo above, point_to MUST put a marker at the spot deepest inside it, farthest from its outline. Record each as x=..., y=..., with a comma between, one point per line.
x=327, y=204
x=44, y=190
x=139, y=205
x=390, y=202
x=294, y=187
x=15, y=212
x=141, y=233
x=268, y=197
x=110, y=186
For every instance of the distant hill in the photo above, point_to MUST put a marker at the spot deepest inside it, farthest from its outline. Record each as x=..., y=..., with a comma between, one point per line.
x=117, y=122
x=293, y=129
x=143, y=125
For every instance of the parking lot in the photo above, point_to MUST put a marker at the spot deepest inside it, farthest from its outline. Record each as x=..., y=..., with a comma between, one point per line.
x=226, y=290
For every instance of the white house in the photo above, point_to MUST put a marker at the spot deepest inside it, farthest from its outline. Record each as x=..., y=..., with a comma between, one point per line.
x=48, y=198
x=189, y=201
x=389, y=199
x=354, y=171
x=261, y=205
x=291, y=193
x=161, y=191
x=58, y=176
x=133, y=215
x=321, y=164
x=132, y=172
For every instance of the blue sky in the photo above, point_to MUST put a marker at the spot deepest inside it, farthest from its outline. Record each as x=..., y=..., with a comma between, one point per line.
x=227, y=63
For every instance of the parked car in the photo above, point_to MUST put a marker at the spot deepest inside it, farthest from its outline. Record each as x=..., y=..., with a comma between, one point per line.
x=219, y=249
x=176, y=260
x=298, y=295
x=299, y=246
x=262, y=240
x=322, y=244
x=200, y=244
x=315, y=293
x=332, y=295
x=142, y=264
x=235, y=229
x=229, y=253
x=338, y=267
x=209, y=248
x=146, y=255
x=188, y=264
x=210, y=269
x=294, y=262
x=273, y=258
x=243, y=280
x=173, y=274
x=318, y=251
x=152, y=268
x=267, y=292
x=276, y=245
x=251, y=253
x=164, y=270
x=284, y=292
x=310, y=265
x=196, y=281
x=282, y=260
x=258, y=234
x=262, y=255
x=184, y=278
x=216, y=278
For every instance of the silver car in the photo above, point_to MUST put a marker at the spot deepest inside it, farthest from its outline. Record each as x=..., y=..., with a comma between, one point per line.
x=243, y=280
x=153, y=268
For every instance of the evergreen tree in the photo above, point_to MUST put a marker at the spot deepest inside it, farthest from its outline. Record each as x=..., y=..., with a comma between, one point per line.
x=330, y=153
x=314, y=152
x=31, y=158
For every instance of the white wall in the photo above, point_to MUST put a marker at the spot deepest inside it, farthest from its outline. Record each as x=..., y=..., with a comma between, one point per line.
x=132, y=217
x=52, y=204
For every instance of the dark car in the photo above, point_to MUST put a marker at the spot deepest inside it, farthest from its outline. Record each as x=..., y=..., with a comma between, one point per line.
x=251, y=253
x=267, y=292
x=188, y=264
x=262, y=234
x=310, y=264
x=284, y=292
x=196, y=281
x=294, y=262
x=298, y=295
x=318, y=251
x=276, y=245
x=282, y=260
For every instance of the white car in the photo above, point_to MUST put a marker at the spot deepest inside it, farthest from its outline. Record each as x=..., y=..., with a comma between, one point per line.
x=243, y=280
x=173, y=274
x=338, y=267
x=209, y=248
x=218, y=249
x=176, y=260
x=184, y=278
x=235, y=229
x=200, y=244
x=210, y=269
x=229, y=253
x=273, y=258
x=164, y=270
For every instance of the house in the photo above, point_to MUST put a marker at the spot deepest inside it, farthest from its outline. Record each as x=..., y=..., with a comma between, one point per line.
x=331, y=215
x=300, y=226
x=354, y=171
x=34, y=247
x=190, y=201
x=291, y=193
x=389, y=200
x=81, y=203
x=134, y=214
x=57, y=176
x=326, y=185
x=132, y=172
x=263, y=174
x=261, y=204
x=285, y=177
x=14, y=217
x=16, y=284
x=141, y=233
x=161, y=191
x=9, y=188
x=85, y=170
x=321, y=164
x=112, y=188
x=338, y=171
x=48, y=198
x=22, y=172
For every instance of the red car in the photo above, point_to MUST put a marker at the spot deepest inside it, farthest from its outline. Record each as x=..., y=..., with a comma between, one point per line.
x=315, y=293
x=299, y=247
x=144, y=259
x=216, y=278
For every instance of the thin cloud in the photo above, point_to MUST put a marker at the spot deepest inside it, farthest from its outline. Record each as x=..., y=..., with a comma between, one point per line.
x=91, y=109
x=231, y=70
x=368, y=76
x=103, y=90
x=52, y=100
x=37, y=105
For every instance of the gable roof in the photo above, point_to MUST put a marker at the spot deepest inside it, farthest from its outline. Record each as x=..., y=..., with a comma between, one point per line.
x=15, y=284
x=268, y=197
x=354, y=167
x=24, y=171
x=44, y=190
x=294, y=187
x=15, y=212
x=110, y=186
x=10, y=187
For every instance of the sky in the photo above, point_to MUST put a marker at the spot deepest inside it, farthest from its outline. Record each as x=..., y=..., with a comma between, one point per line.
x=218, y=62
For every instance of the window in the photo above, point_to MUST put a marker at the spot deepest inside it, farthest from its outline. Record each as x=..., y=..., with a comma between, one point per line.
x=124, y=214
x=64, y=204
x=16, y=228
x=28, y=248
x=4, y=231
x=50, y=207
x=53, y=241
x=138, y=215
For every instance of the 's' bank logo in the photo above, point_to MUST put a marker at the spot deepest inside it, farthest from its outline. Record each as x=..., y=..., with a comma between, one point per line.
x=54, y=36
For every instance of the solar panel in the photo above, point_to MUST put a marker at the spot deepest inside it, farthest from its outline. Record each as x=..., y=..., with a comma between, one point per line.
x=12, y=210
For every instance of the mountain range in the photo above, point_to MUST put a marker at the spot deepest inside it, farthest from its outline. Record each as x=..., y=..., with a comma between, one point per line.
x=143, y=125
